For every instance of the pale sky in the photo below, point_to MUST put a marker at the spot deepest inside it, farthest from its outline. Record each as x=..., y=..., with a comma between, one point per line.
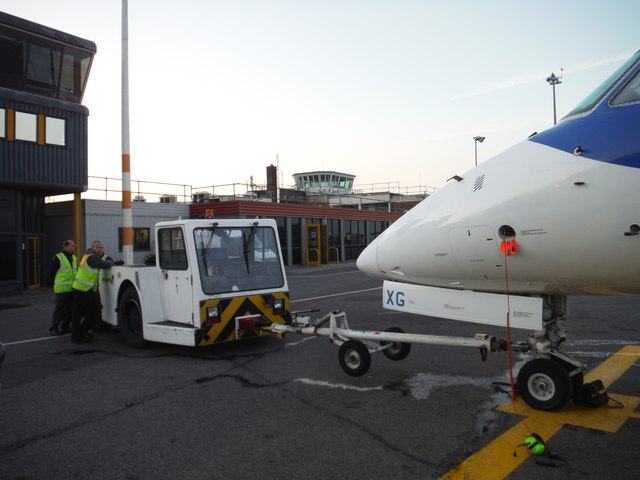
x=387, y=90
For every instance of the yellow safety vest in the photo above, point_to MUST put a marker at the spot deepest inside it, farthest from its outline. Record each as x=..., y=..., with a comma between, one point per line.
x=65, y=275
x=87, y=277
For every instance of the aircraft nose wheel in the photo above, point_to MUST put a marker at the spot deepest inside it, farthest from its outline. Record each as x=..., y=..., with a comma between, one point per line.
x=544, y=384
x=354, y=358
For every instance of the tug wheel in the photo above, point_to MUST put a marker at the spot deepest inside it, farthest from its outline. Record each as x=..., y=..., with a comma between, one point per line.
x=130, y=319
x=397, y=350
x=354, y=358
x=544, y=384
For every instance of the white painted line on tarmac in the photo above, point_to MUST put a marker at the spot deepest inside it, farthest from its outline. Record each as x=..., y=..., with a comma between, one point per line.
x=601, y=342
x=33, y=340
x=323, y=274
x=341, y=386
x=353, y=292
x=293, y=344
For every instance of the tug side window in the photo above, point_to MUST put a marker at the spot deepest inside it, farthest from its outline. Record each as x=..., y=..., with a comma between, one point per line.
x=172, y=251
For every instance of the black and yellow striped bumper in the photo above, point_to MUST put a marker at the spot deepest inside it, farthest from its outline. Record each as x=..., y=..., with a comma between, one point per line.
x=219, y=318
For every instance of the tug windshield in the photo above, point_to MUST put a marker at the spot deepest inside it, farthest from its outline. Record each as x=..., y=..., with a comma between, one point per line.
x=238, y=259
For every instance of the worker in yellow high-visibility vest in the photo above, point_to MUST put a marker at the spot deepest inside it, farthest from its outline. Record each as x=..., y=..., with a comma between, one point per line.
x=86, y=304
x=62, y=272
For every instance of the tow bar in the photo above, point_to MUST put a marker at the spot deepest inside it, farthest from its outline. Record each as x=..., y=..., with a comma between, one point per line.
x=356, y=346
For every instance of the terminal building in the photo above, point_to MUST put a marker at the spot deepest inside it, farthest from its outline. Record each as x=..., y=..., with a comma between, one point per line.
x=44, y=154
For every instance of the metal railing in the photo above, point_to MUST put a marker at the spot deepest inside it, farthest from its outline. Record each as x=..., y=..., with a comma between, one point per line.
x=393, y=187
x=110, y=188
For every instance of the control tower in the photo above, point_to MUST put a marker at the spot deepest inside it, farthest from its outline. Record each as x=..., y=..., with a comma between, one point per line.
x=324, y=182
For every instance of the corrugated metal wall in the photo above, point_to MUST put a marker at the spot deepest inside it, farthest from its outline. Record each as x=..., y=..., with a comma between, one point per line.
x=101, y=221
x=103, y=218
x=48, y=169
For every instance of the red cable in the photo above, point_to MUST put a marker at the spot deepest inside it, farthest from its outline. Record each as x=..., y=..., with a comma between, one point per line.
x=509, y=351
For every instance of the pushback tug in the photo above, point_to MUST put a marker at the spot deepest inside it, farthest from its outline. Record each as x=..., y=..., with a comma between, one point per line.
x=212, y=281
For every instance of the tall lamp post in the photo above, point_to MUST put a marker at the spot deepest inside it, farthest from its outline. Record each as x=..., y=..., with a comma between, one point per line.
x=553, y=81
x=477, y=139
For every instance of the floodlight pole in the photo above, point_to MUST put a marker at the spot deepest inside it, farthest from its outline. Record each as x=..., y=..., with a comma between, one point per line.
x=553, y=81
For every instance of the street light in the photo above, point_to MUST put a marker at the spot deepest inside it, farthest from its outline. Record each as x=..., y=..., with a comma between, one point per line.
x=477, y=139
x=553, y=81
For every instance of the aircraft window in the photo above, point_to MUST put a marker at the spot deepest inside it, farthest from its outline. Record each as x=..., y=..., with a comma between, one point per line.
x=594, y=98
x=629, y=93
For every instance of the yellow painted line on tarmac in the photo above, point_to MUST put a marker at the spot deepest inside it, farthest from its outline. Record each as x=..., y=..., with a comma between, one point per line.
x=612, y=368
x=496, y=460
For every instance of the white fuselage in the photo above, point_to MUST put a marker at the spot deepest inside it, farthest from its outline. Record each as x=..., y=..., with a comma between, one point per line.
x=569, y=214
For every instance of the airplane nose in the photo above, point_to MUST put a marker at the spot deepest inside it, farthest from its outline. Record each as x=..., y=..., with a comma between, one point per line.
x=367, y=261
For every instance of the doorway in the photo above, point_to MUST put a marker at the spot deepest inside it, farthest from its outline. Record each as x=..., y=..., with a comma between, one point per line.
x=34, y=268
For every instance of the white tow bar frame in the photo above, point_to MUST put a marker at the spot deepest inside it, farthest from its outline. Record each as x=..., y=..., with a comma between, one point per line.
x=339, y=333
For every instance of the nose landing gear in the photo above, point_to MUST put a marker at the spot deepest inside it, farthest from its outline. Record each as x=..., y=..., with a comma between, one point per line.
x=550, y=381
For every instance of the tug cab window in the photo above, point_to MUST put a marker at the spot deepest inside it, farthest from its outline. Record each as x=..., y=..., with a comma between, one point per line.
x=172, y=251
x=238, y=259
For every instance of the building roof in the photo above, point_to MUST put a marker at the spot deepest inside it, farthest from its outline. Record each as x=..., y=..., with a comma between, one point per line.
x=48, y=32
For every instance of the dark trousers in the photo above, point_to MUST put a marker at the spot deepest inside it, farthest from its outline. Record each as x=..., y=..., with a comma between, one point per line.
x=86, y=311
x=62, y=311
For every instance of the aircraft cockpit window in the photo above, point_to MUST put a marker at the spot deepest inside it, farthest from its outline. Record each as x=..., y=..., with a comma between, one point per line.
x=598, y=94
x=630, y=93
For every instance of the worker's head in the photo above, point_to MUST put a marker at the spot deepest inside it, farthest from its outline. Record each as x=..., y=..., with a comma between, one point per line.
x=69, y=246
x=98, y=247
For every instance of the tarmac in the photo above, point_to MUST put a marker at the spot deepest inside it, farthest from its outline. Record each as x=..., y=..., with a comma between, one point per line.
x=284, y=409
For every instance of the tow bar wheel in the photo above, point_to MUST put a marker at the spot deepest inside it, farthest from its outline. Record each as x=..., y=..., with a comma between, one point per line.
x=544, y=384
x=354, y=358
x=397, y=350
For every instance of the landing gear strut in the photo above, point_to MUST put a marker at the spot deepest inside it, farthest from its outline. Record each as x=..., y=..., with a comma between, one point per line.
x=549, y=382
